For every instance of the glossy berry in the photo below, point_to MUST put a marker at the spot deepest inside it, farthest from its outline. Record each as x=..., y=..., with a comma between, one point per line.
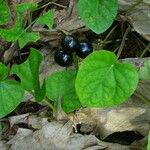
x=63, y=58
x=85, y=48
x=70, y=43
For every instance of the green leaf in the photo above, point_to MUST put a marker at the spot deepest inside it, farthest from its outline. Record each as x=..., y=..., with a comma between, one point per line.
x=3, y=71
x=98, y=15
x=17, y=32
x=28, y=72
x=63, y=84
x=144, y=72
x=22, y=7
x=102, y=81
x=13, y=33
x=11, y=94
x=4, y=11
x=26, y=37
x=46, y=19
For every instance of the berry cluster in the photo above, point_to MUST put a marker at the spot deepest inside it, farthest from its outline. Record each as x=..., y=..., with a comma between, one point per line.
x=70, y=45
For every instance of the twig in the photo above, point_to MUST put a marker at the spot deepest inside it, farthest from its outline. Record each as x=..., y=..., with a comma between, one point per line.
x=123, y=41
x=141, y=42
x=60, y=114
x=58, y=5
x=70, y=8
x=75, y=60
x=145, y=50
x=54, y=3
x=46, y=100
x=108, y=35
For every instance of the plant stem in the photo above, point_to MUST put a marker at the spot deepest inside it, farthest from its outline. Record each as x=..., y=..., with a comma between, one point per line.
x=54, y=3
x=65, y=32
x=107, y=36
x=26, y=29
x=123, y=41
x=145, y=50
x=75, y=60
x=29, y=19
x=46, y=100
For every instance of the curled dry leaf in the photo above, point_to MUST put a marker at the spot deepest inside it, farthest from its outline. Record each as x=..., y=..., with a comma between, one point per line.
x=37, y=122
x=106, y=123
x=18, y=119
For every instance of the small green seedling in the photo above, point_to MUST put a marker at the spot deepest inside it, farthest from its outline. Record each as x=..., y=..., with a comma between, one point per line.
x=18, y=32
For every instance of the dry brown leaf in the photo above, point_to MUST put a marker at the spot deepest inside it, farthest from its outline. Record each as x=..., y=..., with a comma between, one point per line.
x=3, y=145
x=37, y=122
x=21, y=134
x=18, y=119
x=59, y=136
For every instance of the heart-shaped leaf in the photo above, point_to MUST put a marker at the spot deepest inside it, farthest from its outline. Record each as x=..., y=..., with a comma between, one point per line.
x=28, y=72
x=102, y=81
x=98, y=15
x=3, y=71
x=63, y=84
x=11, y=94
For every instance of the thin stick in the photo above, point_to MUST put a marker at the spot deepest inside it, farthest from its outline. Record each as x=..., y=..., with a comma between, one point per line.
x=141, y=42
x=145, y=50
x=58, y=5
x=123, y=42
x=54, y=3
x=46, y=100
x=108, y=35
x=70, y=8
x=75, y=60
x=60, y=114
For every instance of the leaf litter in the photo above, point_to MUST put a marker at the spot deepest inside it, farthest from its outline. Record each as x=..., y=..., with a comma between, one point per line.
x=96, y=125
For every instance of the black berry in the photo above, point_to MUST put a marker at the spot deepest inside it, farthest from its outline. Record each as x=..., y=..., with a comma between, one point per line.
x=70, y=43
x=85, y=48
x=63, y=58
